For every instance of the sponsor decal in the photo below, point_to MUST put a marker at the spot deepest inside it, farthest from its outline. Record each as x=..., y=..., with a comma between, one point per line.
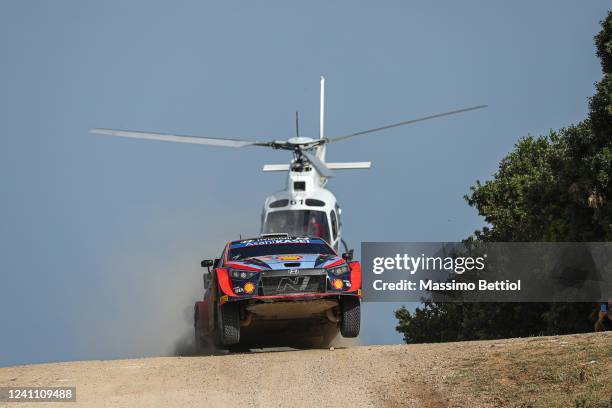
x=289, y=257
x=337, y=284
x=273, y=241
x=249, y=287
x=287, y=284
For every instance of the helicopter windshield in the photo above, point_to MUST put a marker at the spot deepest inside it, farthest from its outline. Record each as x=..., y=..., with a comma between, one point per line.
x=298, y=223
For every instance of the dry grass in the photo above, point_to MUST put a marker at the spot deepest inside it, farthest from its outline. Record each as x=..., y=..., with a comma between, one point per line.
x=563, y=371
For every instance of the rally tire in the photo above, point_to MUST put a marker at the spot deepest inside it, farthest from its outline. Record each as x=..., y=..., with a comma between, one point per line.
x=350, y=308
x=229, y=324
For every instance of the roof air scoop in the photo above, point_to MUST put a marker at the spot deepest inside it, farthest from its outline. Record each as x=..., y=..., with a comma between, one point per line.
x=292, y=264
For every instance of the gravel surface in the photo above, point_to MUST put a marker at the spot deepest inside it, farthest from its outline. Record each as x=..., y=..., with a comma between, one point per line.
x=362, y=376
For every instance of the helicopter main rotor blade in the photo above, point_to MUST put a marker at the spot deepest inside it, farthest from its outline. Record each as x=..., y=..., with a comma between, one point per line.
x=182, y=139
x=318, y=165
x=406, y=122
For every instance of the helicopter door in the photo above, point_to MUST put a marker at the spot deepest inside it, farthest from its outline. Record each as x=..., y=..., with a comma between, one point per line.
x=334, y=225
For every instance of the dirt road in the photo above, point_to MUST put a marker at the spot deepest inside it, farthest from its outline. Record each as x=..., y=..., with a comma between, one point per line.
x=439, y=375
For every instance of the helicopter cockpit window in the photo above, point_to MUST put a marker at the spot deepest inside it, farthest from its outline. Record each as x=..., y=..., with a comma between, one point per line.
x=279, y=203
x=298, y=223
x=313, y=202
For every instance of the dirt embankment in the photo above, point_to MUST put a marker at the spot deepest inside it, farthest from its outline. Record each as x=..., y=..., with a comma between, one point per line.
x=543, y=371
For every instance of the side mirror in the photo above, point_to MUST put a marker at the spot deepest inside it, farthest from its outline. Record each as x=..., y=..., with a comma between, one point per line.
x=207, y=263
x=348, y=256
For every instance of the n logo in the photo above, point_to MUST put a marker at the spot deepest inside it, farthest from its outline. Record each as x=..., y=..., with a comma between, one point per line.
x=289, y=284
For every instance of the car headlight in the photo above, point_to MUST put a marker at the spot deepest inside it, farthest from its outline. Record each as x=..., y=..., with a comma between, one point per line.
x=339, y=270
x=241, y=274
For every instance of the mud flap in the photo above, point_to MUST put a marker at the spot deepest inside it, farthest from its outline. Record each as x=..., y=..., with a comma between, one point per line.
x=229, y=323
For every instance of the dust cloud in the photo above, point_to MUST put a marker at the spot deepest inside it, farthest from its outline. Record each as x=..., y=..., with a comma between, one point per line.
x=143, y=305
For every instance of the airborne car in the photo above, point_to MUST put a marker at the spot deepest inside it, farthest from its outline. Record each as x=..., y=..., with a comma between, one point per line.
x=278, y=290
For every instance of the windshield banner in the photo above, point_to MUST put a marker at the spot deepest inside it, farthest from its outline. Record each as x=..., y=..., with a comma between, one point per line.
x=274, y=241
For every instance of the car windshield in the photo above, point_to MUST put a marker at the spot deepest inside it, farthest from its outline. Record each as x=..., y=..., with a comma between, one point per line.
x=252, y=248
x=297, y=223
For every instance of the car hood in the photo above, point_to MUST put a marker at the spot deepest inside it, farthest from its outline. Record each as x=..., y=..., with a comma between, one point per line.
x=287, y=261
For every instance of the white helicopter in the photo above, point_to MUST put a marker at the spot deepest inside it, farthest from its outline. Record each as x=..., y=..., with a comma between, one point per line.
x=305, y=206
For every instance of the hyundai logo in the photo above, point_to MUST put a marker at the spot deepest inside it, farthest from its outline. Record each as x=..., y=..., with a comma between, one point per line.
x=293, y=271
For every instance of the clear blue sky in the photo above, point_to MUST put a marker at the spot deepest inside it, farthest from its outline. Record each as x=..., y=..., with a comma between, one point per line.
x=100, y=237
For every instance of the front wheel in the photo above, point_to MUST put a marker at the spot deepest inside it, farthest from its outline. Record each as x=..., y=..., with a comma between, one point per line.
x=350, y=309
x=229, y=323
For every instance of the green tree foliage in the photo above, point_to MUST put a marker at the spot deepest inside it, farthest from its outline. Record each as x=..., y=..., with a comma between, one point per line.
x=549, y=188
x=556, y=187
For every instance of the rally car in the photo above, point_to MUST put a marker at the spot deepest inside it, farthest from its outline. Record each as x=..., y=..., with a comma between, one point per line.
x=278, y=290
